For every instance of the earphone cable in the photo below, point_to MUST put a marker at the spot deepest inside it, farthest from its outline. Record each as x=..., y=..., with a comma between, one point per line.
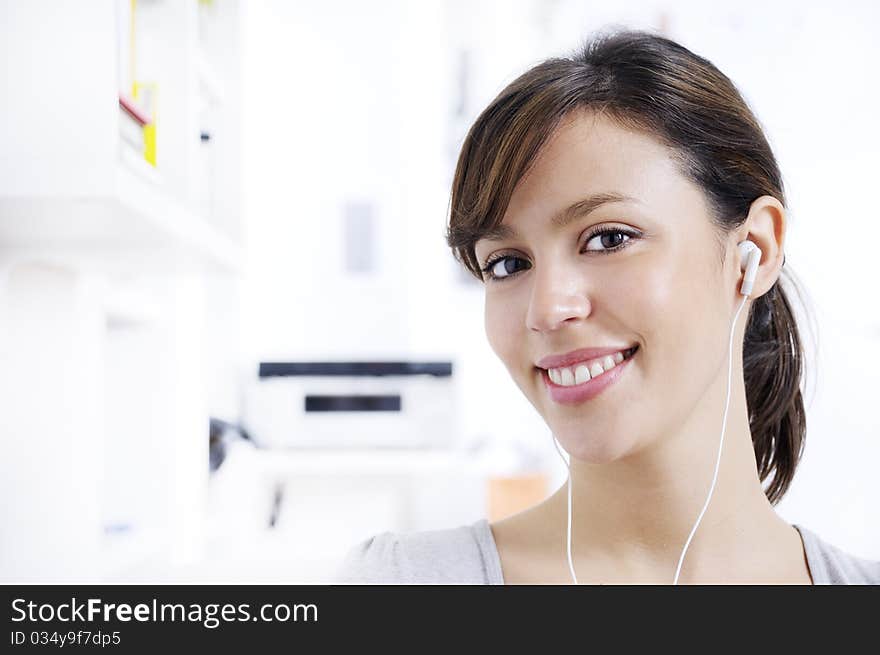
x=568, y=533
x=720, y=443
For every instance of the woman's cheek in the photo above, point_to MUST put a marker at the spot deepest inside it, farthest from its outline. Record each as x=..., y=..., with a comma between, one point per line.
x=645, y=298
x=500, y=326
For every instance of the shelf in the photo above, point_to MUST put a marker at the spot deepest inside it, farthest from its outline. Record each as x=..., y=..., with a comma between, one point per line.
x=135, y=226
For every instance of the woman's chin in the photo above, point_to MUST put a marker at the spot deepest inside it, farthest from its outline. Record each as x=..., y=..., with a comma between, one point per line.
x=596, y=451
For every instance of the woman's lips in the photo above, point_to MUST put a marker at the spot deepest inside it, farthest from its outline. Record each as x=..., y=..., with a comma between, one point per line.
x=590, y=389
x=579, y=356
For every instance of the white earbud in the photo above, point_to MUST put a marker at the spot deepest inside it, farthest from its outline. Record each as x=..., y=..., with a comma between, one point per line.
x=749, y=258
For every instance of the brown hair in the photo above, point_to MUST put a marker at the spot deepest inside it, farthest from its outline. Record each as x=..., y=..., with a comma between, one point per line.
x=650, y=83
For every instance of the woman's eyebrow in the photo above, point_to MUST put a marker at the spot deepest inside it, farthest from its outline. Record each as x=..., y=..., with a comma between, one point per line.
x=574, y=211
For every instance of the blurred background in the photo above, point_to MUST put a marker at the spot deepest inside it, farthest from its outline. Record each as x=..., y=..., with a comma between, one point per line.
x=232, y=340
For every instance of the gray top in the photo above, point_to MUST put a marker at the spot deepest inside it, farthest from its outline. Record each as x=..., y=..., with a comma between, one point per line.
x=468, y=555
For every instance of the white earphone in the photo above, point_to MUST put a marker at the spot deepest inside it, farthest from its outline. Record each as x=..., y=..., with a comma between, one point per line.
x=750, y=257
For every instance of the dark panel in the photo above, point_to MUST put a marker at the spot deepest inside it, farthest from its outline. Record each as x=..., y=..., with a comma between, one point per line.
x=291, y=369
x=352, y=403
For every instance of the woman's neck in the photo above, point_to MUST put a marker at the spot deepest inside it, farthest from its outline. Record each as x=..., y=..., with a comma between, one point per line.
x=639, y=509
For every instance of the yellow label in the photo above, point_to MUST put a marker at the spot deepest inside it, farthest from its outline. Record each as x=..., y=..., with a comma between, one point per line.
x=150, y=143
x=146, y=94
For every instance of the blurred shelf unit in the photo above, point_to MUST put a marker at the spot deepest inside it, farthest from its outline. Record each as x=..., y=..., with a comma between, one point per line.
x=120, y=252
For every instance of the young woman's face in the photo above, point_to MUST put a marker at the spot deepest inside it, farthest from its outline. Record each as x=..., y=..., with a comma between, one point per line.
x=655, y=281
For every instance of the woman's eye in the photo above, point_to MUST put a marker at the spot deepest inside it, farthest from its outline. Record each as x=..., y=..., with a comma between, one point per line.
x=608, y=239
x=502, y=267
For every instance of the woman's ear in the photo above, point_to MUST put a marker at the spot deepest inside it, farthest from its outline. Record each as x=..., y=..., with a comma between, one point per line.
x=765, y=226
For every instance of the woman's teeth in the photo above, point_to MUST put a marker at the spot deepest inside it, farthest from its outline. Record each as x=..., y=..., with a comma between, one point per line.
x=572, y=375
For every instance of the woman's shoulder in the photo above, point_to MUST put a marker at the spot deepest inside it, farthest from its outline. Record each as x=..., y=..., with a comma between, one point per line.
x=831, y=565
x=460, y=555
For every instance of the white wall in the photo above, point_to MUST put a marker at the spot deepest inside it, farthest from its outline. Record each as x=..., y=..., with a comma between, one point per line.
x=318, y=79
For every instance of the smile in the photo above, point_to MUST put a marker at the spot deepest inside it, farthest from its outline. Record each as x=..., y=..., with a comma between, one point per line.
x=583, y=381
x=581, y=372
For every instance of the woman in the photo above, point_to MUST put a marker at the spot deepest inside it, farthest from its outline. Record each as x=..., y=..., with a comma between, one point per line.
x=606, y=201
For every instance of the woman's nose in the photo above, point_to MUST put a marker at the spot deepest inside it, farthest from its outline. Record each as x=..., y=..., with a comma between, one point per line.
x=557, y=297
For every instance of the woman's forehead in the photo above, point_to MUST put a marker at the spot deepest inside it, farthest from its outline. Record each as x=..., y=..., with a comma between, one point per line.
x=594, y=156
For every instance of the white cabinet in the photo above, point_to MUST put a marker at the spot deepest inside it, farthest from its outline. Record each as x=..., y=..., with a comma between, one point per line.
x=112, y=272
